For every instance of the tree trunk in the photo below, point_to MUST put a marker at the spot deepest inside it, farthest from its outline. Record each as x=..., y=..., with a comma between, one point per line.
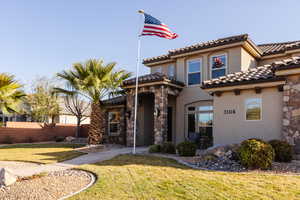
x=78, y=127
x=96, y=129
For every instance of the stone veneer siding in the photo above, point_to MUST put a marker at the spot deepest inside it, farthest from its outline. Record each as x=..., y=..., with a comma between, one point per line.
x=291, y=109
x=161, y=93
x=160, y=118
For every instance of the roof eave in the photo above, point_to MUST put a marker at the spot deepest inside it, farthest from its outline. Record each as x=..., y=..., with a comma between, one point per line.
x=246, y=84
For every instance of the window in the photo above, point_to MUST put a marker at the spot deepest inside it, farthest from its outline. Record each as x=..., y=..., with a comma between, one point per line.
x=218, y=65
x=200, y=120
x=171, y=71
x=253, y=109
x=113, y=123
x=157, y=70
x=194, y=72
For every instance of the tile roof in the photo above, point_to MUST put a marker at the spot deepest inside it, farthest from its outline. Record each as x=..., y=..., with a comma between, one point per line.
x=198, y=46
x=275, y=48
x=148, y=78
x=115, y=101
x=210, y=44
x=266, y=49
x=290, y=63
x=254, y=75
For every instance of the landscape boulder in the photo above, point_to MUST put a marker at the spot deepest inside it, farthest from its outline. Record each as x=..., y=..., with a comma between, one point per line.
x=70, y=139
x=6, y=177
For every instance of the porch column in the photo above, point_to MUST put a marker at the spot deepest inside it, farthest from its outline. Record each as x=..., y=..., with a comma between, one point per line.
x=291, y=110
x=129, y=118
x=160, y=114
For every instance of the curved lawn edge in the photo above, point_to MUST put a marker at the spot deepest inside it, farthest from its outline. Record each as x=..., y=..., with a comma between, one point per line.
x=92, y=182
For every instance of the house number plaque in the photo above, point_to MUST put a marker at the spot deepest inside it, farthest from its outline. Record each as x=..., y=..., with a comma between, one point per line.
x=229, y=112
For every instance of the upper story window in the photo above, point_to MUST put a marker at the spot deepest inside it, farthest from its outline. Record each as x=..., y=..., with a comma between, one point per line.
x=194, y=72
x=218, y=65
x=253, y=109
x=171, y=71
x=157, y=69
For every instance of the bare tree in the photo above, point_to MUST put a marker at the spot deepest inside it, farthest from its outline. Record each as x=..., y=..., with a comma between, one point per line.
x=78, y=107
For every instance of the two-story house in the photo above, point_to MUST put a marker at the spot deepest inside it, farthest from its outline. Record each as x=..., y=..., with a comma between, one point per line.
x=223, y=91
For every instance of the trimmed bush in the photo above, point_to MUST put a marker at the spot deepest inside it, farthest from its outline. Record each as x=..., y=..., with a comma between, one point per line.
x=154, y=148
x=168, y=147
x=283, y=151
x=187, y=148
x=256, y=154
x=59, y=138
x=7, y=140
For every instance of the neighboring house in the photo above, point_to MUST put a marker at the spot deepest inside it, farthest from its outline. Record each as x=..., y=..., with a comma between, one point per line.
x=66, y=117
x=224, y=91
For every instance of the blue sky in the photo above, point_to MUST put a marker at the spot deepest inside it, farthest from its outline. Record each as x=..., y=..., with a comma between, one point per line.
x=41, y=38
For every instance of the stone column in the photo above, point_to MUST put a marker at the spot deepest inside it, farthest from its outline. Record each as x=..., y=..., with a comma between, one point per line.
x=160, y=114
x=129, y=118
x=291, y=110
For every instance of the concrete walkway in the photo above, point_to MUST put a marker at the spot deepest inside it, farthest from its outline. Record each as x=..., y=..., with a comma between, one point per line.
x=29, y=169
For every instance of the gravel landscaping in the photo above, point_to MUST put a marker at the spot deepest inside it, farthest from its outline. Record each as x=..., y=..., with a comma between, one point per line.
x=53, y=185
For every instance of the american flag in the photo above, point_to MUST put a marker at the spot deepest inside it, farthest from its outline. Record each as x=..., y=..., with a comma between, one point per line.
x=155, y=27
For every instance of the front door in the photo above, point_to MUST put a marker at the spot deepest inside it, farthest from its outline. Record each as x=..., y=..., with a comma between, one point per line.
x=170, y=125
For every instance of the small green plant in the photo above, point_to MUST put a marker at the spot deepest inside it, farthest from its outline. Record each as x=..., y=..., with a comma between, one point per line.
x=156, y=148
x=283, y=151
x=168, y=147
x=186, y=148
x=7, y=140
x=256, y=154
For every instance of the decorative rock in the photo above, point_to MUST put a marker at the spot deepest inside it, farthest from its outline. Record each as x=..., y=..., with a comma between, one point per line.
x=70, y=139
x=6, y=177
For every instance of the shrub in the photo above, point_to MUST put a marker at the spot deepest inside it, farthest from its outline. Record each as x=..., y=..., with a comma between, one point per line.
x=283, y=150
x=154, y=148
x=168, y=147
x=186, y=148
x=59, y=138
x=256, y=154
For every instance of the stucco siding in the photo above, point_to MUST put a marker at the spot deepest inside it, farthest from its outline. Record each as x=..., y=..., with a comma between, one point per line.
x=233, y=128
x=188, y=95
x=248, y=61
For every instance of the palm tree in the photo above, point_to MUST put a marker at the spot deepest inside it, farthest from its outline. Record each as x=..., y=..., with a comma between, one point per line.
x=95, y=81
x=10, y=93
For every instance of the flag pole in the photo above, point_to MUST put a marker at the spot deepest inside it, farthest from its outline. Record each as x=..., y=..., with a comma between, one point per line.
x=136, y=89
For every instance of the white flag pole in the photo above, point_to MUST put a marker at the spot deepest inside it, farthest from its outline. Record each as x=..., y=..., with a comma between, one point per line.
x=136, y=90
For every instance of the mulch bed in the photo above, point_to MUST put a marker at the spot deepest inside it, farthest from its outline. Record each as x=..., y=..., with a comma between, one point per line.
x=54, y=185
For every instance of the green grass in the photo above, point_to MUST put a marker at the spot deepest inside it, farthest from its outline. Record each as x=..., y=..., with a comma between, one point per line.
x=39, y=153
x=150, y=178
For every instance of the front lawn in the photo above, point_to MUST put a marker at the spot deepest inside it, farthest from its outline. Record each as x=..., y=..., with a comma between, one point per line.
x=145, y=178
x=39, y=153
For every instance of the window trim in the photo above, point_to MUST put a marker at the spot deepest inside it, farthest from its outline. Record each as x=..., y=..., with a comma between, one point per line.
x=188, y=73
x=113, y=133
x=211, y=63
x=245, y=110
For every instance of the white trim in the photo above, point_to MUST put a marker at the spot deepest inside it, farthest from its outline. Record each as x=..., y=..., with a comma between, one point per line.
x=211, y=64
x=245, y=109
x=200, y=71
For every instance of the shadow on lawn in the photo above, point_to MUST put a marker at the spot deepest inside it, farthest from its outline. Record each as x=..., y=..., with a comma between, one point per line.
x=145, y=160
x=42, y=146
